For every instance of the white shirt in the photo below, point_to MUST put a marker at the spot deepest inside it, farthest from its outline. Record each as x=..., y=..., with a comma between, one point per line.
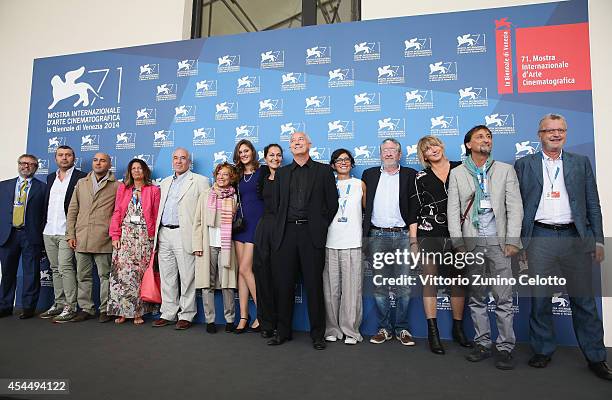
x=553, y=209
x=56, y=216
x=386, y=211
x=214, y=236
x=345, y=230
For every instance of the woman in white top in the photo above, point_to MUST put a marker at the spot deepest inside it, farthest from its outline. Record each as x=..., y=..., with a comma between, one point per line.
x=342, y=276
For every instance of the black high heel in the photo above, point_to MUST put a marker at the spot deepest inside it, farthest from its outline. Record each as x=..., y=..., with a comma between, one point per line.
x=433, y=336
x=238, y=331
x=459, y=335
x=257, y=329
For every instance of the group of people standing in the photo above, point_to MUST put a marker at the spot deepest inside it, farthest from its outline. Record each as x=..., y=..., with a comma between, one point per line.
x=257, y=228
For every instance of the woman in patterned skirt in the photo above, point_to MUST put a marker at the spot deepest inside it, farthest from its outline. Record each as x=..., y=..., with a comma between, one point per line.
x=132, y=230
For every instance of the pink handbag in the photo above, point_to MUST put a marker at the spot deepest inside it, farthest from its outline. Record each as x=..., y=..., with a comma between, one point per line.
x=150, y=288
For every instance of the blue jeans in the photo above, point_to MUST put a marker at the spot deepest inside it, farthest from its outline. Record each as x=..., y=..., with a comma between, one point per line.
x=384, y=295
x=561, y=253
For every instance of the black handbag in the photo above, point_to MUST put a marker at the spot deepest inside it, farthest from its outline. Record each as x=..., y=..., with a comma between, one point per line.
x=238, y=224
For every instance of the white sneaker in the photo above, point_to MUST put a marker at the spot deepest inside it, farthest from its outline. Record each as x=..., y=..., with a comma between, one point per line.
x=381, y=337
x=66, y=315
x=350, y=340
x=330, y=338
x=405, y=338
x=51, y=312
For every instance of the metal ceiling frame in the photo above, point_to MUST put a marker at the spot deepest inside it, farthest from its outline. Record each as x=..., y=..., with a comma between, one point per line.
x=329, y=10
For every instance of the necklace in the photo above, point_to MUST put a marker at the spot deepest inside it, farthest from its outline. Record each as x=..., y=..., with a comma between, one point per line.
x=250, y=177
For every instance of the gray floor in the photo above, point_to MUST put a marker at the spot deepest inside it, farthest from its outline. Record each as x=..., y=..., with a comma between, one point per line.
x=107, y=361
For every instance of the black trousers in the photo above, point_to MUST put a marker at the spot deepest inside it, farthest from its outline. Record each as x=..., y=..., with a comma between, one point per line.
x=262, y=268
x=17, y=247
x=297, y=254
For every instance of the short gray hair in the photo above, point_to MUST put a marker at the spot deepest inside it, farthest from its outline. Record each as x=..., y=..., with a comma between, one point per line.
x=392, y=140
x=301, y=133
x=553, y=117
x=184, y=149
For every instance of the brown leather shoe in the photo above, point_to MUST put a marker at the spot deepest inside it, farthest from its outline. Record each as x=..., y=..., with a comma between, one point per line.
x=160, y=322
x=104, y=317
x=182, y=325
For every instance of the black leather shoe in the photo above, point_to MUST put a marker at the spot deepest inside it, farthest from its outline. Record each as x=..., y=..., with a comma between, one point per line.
x=433, y=336
x=319, y=344
x=539, y=361
x=504, y=360
x=459, y=335
x=276, y=341
x=211, y=327
x=6, y=313
x=26, y=313
x=229, y=327
x=478, y=354
x=601, y=369
x=267, y=334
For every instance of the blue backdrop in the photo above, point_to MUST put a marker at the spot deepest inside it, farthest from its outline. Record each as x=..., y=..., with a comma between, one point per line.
x=348, y=85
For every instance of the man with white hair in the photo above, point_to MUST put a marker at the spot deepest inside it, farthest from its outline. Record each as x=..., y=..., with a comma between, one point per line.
x=307, y=203
x=179, y=197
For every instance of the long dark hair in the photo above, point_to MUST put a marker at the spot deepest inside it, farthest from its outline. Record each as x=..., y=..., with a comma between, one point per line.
x=146, y=171
x=239, y=165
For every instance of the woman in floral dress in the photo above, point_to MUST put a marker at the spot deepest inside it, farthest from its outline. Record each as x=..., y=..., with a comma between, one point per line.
x=132, y=230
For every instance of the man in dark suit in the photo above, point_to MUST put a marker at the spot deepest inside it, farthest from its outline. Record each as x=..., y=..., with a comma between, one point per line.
x=60, y=185
x=22, y=218
x=308, y=201
x=390, y=223
x=562, y=232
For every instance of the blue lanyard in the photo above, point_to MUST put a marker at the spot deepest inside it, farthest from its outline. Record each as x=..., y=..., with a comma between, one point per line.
x=552, y=181
x=348, y=190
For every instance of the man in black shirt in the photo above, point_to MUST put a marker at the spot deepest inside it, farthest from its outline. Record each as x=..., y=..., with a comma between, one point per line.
x=308, y=200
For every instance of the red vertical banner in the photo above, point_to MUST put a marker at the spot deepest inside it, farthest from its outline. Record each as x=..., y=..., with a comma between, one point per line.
x=503, y=54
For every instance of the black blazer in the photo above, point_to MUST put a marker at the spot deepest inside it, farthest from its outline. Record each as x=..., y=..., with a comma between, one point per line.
x=407, y=195
x=35, y=211
x=76, y=175
x=322, y=204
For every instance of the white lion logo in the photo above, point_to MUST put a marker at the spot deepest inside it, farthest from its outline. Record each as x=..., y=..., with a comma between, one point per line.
x=242, y=130
x=412, y=43
x=439, y=121
x=143, y=113
x=362, y=151
x=411, y=149
x=467, y=92
x=163, y=89
x=335, y=126
x=465, y=39
x=160, y=136
x=524, y=147
x=362, y=98
x=69, y=87
x=225, y=60
x=222, y=108
x=266, y=104
x=493, y=119
x=202, y=85
x=386, y=71
x=220, y=157
x=314, y=153
x=313, y=101
x=437, y=68
x=87, y=139
x=289, y=78
x=146, y=69
x=362, y=48
x=181, y=110
x=313, y=52
x=268, y=56
x=122, y=137
x=414, y=95
x=200, y=132
x=337, y=74
x=385, y=123
x=559, y=301
x=245, y=81
x=54, y=142
x=184, y=65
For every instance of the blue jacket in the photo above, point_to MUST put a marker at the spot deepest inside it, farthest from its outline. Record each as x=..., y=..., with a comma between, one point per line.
x=581, y=189
x=35, y=210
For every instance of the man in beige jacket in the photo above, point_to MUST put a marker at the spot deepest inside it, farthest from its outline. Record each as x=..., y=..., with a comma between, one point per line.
x=87, y=222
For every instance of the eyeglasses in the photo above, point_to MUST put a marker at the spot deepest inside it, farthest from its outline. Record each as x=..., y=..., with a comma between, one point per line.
x=342, y=160
x=27, y=164
x=554, y=130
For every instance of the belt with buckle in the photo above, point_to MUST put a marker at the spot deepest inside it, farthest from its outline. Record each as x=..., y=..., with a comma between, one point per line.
x=171, y=226
x=298, y=222
x=19, y=228
x=393, y=229
x=554, y=227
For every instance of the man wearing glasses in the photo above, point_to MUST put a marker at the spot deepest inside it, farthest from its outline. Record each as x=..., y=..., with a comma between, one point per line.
x=390, y=223
x=562, y=232
x=22, y=216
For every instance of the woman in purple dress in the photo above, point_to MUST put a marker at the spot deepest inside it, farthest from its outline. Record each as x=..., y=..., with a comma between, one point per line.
x=251, y=209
